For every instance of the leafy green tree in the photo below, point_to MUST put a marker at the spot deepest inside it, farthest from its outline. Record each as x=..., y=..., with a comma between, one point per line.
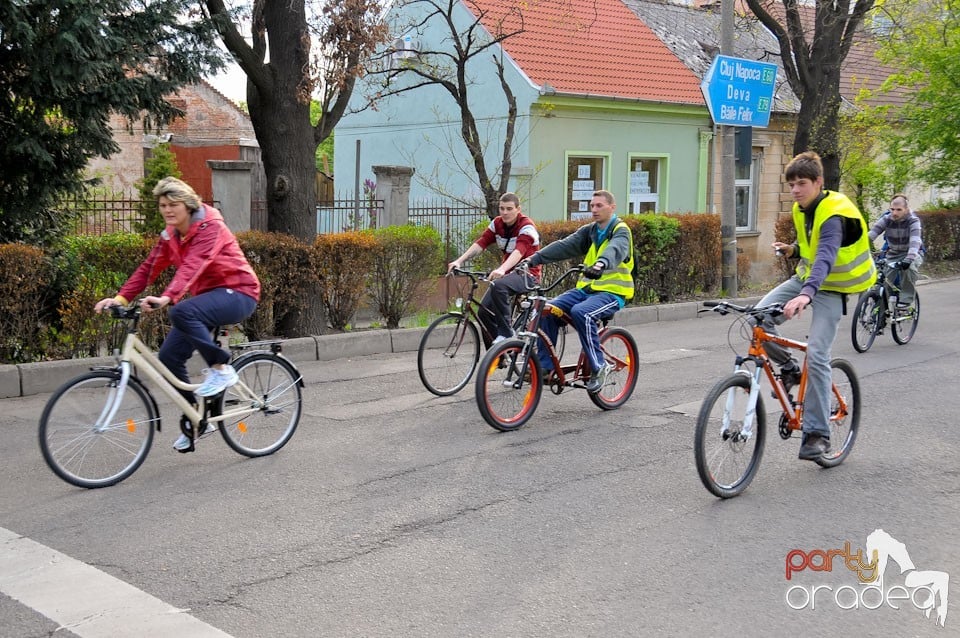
x=927, y=48
x=65, y=67
x=298, y=51
x=814, y=42
x=162, y=163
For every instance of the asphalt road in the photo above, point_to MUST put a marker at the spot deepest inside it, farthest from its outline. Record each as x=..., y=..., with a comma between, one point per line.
x=396, y=513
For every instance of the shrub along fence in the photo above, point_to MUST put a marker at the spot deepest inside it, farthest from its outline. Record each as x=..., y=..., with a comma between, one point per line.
x=47, y=295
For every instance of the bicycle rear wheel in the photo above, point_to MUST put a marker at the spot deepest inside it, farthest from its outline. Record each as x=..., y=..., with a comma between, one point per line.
x=78, y=442
x=727, y=457
x=448, y=354
x=506, y=395
x=867, y=319
x=844, y=413
x=275, y=383
x=619, y=350
x=905, y=321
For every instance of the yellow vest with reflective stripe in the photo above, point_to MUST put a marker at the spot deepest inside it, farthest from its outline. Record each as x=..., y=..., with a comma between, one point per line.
x=617, y=279
x=853, y=270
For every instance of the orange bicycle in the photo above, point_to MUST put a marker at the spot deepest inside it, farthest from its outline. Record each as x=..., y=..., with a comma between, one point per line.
x=510, y=382
x=731, y=426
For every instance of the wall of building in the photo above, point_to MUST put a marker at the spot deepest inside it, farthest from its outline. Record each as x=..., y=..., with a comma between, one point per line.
x=211, y=121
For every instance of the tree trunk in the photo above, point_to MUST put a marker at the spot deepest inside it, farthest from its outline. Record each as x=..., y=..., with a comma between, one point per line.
x=281, y=119
x=818, y=123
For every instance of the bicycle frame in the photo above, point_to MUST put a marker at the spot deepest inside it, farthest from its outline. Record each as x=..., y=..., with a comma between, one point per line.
x=792, y=410
x=136, y=353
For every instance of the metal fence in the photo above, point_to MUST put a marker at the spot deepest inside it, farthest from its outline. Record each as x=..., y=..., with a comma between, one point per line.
x=454, y=223
x=342, y=215
x=99, y=215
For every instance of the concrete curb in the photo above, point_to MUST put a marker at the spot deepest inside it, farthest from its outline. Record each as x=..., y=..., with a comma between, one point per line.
x=35, y=378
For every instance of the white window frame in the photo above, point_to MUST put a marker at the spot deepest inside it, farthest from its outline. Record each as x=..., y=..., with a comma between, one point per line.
x=577, y=197
x=752, y=184
x=656, y=197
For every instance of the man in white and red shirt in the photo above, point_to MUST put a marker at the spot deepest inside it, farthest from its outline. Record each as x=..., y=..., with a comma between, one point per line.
x=516, y=235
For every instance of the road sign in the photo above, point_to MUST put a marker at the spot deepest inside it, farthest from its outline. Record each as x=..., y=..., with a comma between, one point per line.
x=739, y=92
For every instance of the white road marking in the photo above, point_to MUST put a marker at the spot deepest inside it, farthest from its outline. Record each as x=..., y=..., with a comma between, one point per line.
x=85, y=600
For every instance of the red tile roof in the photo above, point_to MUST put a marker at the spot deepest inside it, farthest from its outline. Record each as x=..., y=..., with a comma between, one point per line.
x=590, y=47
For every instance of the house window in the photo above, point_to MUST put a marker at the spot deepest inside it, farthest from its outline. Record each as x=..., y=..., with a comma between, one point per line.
x=747, y=189
x=644, y=180
x=585, y=174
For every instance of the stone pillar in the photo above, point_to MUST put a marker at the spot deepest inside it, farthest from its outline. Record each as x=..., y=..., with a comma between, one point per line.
x=393, y=187
x=232, y=182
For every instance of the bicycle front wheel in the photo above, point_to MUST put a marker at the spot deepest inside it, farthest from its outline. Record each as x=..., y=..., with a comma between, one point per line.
x=448, y=354
x=727, y=453
x=85, y=441
x=844, y=412
x=866, y=320
x=270, y=386
x=506, y=394
x=905, y=321
x=620, y=351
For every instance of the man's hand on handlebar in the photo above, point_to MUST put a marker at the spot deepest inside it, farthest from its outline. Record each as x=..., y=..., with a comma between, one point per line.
x=595, y=271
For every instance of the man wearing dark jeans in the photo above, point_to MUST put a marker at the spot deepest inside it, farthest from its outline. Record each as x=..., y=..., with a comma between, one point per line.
x=517, y=237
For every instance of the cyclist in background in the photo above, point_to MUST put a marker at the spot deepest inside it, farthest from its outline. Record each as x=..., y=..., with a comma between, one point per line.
x=212, y=268
x=517, y=237
x=835, y=260
x=903, y=245
x=604, y=287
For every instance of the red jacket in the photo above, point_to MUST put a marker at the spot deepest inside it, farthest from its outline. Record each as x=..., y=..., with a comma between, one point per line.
x=207, y=257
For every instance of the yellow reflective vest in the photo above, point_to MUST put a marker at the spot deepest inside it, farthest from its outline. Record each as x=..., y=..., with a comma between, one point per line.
x=853, y=270
x=617, y=278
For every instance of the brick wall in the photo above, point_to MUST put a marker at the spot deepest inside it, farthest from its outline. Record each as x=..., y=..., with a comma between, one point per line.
x=212, y=121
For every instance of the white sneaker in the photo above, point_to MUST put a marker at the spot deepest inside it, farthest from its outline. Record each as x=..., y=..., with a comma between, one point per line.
x=500, y=338
x=217, y=381
x=183, y=443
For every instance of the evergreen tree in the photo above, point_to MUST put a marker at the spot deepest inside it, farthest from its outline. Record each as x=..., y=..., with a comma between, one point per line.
x=65, y=67
x=162, y=163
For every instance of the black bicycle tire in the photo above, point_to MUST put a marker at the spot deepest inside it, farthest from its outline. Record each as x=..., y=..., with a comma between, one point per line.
x=854, y=403
x=632, y=373
x=50, y=457
x=421, y=348
x=292, y=383
x=489, y=367
x=903, y=338
x=863, y=305
x=717, y=393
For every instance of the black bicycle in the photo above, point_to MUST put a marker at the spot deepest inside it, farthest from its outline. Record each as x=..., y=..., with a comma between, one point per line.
x=449, y=350
x=877, y=308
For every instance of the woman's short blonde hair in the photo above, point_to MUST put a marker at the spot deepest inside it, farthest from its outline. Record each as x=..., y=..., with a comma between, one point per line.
x=177, y=191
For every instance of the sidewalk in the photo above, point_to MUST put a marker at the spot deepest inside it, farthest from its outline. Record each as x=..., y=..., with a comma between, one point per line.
x=27, y=379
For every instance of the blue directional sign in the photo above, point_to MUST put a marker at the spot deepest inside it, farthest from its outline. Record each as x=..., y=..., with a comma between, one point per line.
x=739, y=92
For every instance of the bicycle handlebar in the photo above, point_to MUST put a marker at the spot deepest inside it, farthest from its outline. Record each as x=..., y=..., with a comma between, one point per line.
x=726, y=307
x=522, y=267
x=472, y=274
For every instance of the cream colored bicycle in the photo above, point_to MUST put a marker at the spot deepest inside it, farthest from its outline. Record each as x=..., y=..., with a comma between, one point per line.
x=96, y=429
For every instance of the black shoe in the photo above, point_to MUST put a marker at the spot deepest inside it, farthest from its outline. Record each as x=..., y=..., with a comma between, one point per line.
x=789, y=377
x=814, y=446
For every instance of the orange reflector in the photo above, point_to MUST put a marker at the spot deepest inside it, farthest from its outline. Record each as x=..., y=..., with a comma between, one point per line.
x=131, y=426
x=242, y=427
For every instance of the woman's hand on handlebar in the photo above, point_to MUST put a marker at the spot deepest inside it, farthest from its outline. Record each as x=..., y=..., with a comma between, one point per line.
x=105, y=304
x=149, y=304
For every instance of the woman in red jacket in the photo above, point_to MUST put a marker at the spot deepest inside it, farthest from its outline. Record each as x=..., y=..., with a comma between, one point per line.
x=211, y=267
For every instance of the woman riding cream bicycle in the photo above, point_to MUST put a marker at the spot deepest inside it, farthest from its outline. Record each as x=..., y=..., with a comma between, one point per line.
x=210, y=266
